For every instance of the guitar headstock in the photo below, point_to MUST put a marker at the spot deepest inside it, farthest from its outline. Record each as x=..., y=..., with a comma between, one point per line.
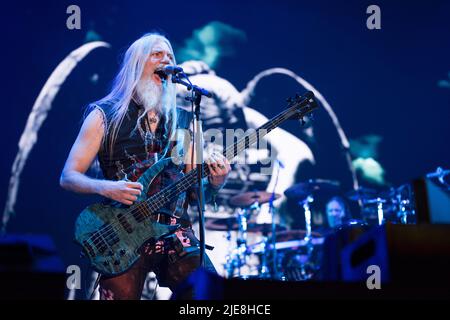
x=302, y=105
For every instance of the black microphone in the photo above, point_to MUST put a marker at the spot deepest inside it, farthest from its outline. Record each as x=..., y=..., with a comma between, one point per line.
x=165, y=71
x=171, y=69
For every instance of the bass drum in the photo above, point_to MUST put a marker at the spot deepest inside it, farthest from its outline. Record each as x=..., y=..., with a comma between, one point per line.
x=296, y=259
x=300, y=264
x=306, y=262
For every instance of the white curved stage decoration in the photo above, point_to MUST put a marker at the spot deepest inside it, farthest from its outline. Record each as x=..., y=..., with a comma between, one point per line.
x=41, y=107
x=247, y=93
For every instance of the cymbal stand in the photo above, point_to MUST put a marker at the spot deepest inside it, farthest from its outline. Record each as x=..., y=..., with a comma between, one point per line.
x=404, y=198
x=241, y=241
x=305, y=204
x=235, y=258
x=402, y=214
x=264, y=269
x=380, y=214
x=308, y=238
x=229, y=259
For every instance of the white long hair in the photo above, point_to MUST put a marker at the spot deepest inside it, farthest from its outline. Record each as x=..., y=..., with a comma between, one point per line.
x=124, y=88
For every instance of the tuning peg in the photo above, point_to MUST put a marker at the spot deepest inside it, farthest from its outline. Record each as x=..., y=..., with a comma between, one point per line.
x=302, y=122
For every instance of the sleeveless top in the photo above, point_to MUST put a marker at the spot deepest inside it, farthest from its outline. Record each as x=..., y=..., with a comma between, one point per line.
x=136, y=149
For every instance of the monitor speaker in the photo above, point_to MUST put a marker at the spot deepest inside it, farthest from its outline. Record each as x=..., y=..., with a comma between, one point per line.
x=30, y=268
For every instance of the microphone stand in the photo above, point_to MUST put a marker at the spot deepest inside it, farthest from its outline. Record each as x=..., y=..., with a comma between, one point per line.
x=274, y=237
x=195, y=100
x=440, y=173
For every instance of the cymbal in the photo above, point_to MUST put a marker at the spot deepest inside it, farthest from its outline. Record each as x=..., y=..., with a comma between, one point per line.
x=248, y=198
x=261, y=247
x=351, y=223
x=264, y=227
x=231, y=224
x=295, y=234
x=362, y=193
x=222, y=224
x=375, y=200
x=392, y=192
x=303, y=189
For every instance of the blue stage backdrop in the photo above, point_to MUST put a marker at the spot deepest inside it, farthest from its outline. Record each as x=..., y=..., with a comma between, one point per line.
x=389, y=87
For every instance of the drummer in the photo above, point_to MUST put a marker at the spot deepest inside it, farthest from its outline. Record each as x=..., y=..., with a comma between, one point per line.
x=337, y=212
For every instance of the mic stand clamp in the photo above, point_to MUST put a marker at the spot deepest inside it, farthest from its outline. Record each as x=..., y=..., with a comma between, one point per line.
x=197, y=90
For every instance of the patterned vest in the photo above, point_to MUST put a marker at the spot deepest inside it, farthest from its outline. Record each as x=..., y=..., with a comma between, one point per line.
x=136, y=149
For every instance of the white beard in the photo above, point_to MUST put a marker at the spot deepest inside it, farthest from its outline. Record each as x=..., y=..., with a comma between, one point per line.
x=149, y=94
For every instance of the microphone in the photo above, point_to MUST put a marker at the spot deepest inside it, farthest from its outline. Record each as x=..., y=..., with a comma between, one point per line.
x=171, y=69
x=165, y=71
x=168, y=70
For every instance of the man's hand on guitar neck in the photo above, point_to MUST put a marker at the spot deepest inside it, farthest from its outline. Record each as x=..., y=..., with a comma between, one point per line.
x=219, y=167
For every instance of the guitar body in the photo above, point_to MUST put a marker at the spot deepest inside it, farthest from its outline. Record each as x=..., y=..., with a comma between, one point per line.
x=111, y=237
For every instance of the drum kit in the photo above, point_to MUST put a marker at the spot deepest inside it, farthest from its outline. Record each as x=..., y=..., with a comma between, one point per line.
x=248, y=206
x=294, y=255
x=395, y=205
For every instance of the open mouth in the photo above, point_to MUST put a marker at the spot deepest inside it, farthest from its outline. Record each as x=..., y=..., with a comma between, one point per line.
x=160, y=72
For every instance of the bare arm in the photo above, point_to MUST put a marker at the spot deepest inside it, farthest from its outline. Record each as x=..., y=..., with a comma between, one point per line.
x=83, y=152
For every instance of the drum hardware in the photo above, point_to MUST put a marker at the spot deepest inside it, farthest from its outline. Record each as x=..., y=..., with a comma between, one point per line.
x=366, y=198
x=249, y=199
x=231, y=224
x=241, y=242
x=301, y=191
x=362, y=194
x=379, y=203
x=394, y=205
x=293, y=255
x=249, y=206
x=403, y=214
x=305, y=193
x=305, y=204
x=401, y=198
x=291, y=244
x=264, y=268
x=440, y=174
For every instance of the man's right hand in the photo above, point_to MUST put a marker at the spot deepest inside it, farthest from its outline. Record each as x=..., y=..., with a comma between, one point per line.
x=125, y=192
